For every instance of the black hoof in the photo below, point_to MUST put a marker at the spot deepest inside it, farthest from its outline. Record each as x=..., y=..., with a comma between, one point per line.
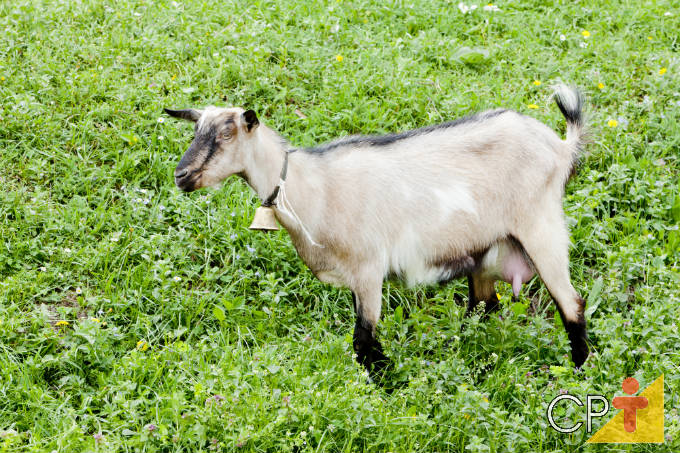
x=576, y=331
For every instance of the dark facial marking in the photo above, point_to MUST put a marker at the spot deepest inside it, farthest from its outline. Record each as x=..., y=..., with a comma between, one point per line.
x=206, y=139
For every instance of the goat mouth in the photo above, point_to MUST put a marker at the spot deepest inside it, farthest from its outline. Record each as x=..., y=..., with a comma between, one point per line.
x=187, y=183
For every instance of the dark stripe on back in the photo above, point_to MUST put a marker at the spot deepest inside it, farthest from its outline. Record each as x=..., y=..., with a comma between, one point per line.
x=388, y=139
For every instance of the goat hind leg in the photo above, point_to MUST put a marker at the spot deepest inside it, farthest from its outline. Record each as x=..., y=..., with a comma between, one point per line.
x=547, y=244
x=481, y=289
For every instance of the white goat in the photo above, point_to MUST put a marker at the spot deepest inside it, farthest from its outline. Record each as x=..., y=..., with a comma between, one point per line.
x=480, y=196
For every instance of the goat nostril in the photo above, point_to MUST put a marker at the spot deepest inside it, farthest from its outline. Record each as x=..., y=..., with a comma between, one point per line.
x=181, y=174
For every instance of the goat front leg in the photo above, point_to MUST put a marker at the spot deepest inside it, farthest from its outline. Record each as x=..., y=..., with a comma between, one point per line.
x=367, y=304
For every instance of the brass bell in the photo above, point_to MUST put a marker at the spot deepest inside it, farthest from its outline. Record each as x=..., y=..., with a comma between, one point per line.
x=264, y=219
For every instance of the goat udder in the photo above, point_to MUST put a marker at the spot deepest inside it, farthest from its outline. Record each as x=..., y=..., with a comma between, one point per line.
x=516, y=271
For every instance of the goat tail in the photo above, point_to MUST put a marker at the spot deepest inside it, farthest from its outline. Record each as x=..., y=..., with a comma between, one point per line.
x=570, y=102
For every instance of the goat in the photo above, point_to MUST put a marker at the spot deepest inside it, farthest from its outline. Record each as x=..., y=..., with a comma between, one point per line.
x=479, y=197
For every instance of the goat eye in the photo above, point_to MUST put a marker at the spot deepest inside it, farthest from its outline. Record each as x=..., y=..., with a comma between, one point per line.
x=224, y=136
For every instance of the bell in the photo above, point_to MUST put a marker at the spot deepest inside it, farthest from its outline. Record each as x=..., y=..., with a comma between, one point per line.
x=264, y=219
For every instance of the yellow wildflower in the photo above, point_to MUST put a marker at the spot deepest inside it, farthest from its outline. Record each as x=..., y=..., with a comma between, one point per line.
x=173, y=77
x=600, y=85
x=612, y=123
x=142, y=345
x=95, y=320
x=662, y=71
x=649, y=37
x=532, y=106
x=498, y=296
x=62, y=323
x=537, y=82
x=585, y=33
x=2, y=78
x=339, y=58
x=486, y=400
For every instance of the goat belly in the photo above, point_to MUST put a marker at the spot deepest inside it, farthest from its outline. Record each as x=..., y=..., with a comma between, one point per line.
x=457, y=267
x=439, y=271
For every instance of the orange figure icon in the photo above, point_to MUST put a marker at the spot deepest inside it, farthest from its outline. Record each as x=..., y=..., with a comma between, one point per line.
x=630, y=404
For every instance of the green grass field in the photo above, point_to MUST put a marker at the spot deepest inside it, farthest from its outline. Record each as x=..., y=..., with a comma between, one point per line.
x=134, y=317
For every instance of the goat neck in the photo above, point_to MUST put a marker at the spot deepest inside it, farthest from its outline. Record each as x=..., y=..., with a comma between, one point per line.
x=264, y=161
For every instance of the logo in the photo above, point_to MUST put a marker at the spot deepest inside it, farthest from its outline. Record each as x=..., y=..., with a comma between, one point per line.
x=640, y=419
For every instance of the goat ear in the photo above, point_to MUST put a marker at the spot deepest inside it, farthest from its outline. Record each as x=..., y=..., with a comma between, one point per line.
x=185, y=114
x=250, y=119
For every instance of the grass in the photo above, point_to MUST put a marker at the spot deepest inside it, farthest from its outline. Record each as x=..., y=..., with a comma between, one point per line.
x=137, y=318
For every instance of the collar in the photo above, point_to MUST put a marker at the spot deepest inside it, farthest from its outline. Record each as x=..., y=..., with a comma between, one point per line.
x=271, y=199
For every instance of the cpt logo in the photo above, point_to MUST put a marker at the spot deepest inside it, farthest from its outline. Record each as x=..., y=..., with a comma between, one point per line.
x=639, y=421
